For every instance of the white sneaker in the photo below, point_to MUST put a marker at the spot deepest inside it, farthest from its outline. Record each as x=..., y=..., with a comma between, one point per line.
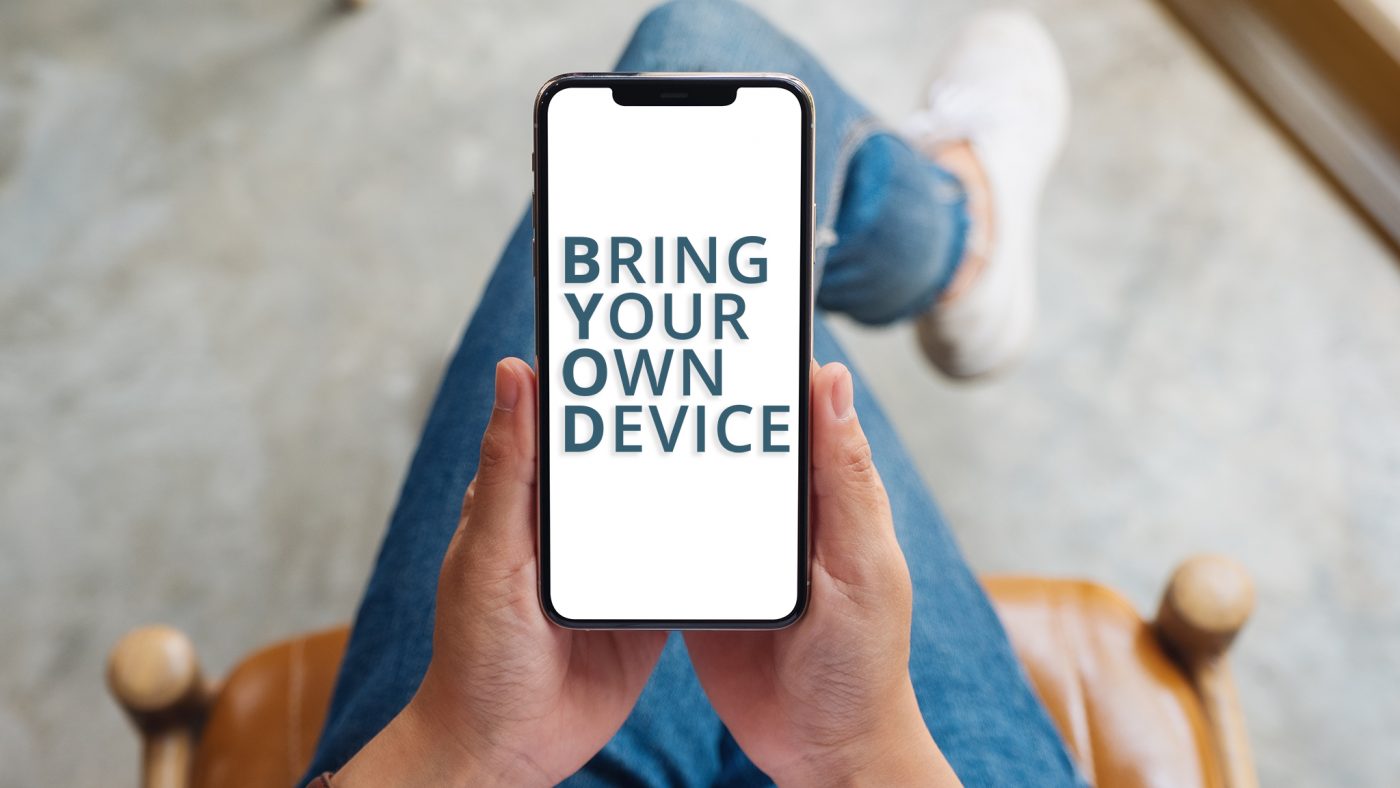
x=1002, y=89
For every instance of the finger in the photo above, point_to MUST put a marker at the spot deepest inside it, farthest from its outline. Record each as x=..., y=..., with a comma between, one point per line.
x=850, y=498
x=502, y=498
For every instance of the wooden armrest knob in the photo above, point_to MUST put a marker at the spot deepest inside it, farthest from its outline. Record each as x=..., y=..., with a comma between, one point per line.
x=154, y=674
x=1207, y=602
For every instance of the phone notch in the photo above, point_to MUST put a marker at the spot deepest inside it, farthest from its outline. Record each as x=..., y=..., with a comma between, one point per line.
x=672, y=93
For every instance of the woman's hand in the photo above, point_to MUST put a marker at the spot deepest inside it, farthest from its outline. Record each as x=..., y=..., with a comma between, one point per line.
x=828, y=700
x=508, y=698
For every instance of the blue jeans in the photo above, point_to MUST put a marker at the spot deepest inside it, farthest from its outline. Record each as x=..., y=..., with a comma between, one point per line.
x=891, y=228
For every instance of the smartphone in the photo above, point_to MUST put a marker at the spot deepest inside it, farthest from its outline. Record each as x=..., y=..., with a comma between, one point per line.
x=673, y=301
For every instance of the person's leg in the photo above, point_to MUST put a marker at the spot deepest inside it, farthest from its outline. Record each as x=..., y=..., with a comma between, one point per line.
x=890, y=223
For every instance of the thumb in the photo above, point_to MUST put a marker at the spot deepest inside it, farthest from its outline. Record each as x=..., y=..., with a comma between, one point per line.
x=500, y=514
x=852, y=509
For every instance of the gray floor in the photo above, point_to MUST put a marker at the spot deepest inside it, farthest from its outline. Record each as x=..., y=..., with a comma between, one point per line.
x=237, y=239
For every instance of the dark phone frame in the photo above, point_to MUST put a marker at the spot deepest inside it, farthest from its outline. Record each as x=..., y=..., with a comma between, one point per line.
x=667, y=89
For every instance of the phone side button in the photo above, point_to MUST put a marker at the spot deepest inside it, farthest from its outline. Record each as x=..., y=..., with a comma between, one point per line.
x=534, y=260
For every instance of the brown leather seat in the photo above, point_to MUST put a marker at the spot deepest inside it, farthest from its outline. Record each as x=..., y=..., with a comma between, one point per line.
x=263, y=724
x=1131, y=713
x=1127, y=711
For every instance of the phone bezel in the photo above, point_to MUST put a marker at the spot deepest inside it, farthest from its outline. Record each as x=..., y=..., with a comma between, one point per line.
x=682, y=89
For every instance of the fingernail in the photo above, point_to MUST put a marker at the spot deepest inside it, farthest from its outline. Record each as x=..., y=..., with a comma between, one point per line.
x=507, y=387
x=843, y=395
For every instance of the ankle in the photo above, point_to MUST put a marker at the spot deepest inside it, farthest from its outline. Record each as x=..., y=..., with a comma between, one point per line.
x=961, y=160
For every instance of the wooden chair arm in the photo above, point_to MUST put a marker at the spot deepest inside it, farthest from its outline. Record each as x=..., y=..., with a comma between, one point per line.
x=1208, y=600
x=154, y=674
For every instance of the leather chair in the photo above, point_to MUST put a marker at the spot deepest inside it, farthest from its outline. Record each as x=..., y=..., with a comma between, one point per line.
x=1139, y=703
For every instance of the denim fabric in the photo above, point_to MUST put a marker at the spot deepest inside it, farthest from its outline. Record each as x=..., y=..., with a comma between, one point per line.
x=895, y=223
x=890, y=224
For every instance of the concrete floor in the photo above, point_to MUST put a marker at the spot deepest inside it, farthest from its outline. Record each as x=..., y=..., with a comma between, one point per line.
x=237, y=240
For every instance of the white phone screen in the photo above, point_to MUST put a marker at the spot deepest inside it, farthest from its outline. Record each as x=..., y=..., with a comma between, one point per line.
x=673, y=360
